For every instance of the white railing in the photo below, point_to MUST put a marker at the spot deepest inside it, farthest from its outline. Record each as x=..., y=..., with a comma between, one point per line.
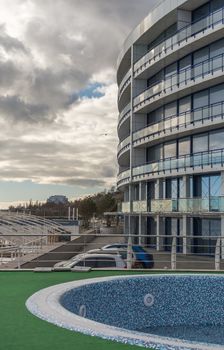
x=160, y=252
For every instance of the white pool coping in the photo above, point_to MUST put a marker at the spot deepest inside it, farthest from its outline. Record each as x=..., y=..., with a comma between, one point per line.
x=45, y=305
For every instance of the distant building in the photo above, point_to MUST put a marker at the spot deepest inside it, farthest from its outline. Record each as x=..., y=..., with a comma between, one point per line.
x=57, y=199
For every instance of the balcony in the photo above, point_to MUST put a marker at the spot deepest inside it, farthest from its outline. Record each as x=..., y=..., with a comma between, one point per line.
x=123, y=146
x=123, y=177
x=125, y=114
x=192, y=119
x=197, y=160
x=182, y=37
x=124, y=83
x=211, y=68
x=188, y=205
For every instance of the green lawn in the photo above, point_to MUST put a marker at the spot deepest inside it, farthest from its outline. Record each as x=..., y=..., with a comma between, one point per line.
x=20, y=330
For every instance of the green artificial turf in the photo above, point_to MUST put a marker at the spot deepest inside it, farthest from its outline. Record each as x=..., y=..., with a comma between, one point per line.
x=20, y=330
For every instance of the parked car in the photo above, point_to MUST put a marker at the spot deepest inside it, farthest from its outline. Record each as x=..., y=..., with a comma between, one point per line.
x=93, y=260
x=140, y=257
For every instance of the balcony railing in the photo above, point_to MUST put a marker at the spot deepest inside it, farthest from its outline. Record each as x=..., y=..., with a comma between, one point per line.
x=188, y=205
x=182, y=78
x=123, y=145
x=125, y=82
x=180, y=36
x=124, y=112
x=200, y=159
x=123, y=177
x=193, y=117
x=126, y=207
x=140, y=206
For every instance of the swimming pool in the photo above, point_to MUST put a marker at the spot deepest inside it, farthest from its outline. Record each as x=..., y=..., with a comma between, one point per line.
x=159, y=311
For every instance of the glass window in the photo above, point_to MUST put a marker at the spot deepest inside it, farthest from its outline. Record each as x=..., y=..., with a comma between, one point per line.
x=216, y=4
x=204, y=186
x=136, y=192
x=200, y=12
x=170, y=109
x=201, y=63
x=215, y=185
x=215, y=227
x=217, y=93
x=201, y=55
x=216, y=53
x=155, y=79
x=154, y=153
x=184, y=146
x=182, y=190
x=170, y=115
x=171, y=75
x=89, y=262
x=174, y=185
x=216, y=139
x=185, y=110
x=217, y=48
x=168, y=188
x=185, y=104
x=200, y=143
x=200, y=99
x=185, y=69
x=155, y=116
x=105, y=262
x=170, y=149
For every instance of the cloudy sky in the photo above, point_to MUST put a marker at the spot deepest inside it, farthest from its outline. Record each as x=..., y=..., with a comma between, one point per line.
x=58, y=92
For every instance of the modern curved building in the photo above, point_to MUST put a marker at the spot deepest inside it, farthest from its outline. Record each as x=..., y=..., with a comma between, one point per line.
x=171, y=130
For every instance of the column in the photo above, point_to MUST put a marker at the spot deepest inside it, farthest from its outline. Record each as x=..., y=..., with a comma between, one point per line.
x=159, y=233
x=222, y=236
x=140, y=229
x=186, y=232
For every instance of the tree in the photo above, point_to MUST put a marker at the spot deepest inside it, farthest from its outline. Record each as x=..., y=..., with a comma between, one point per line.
x=87, y=207
x=106, y=203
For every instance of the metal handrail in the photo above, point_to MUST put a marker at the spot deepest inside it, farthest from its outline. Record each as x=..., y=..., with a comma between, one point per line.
x=208, y=112
x=189, y=160
x=183, y=34
x=124, y=81
x=174, y=80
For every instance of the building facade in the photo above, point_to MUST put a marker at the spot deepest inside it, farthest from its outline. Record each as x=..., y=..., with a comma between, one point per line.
x=171, y=130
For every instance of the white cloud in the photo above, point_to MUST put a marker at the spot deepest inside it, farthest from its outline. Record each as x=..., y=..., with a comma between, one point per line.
x=50, y=50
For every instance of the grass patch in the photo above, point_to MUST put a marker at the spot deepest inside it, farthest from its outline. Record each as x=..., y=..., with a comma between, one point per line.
x=20, y=330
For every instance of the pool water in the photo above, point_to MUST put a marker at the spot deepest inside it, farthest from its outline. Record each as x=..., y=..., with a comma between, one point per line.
x=204, y=334
x=178, y=312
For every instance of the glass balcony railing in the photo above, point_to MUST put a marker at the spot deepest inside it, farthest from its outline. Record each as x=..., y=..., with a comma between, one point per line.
x=197, y=116
x=188, y=205
x=140, y=206
x=126, y=207
x=123, y=144
x=180, y=36
x=124, y=112
x=199, y=159
x=125, y=82
x=182, y=78
x=123, y=177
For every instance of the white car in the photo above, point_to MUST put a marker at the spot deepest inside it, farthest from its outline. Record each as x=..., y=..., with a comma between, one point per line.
x=93, y=261
x=114, y=246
